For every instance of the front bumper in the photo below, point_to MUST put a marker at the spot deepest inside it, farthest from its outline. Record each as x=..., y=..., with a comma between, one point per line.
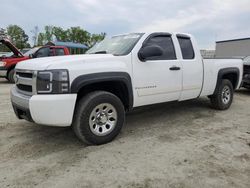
x=53, y=110
x=3, y=72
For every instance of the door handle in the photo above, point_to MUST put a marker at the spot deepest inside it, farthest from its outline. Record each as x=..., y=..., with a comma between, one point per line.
x=174, y=68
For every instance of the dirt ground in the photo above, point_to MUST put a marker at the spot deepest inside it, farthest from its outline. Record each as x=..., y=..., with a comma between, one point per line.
x=178, y=145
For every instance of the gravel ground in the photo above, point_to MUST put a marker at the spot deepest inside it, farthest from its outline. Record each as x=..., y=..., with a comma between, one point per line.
x=178, y=145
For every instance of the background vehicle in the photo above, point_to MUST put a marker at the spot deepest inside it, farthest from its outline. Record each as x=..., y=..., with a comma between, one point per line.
x=46, y=51
x=93, y=91
x=9, y=61
x=24, y=50
x=246, y=74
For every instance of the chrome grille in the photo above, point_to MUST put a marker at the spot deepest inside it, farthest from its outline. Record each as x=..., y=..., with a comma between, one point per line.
x=25, y=81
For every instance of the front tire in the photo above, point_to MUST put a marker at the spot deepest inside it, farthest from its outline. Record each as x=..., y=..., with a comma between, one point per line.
x=223, y=97
x=10, y=76
x=98, y=118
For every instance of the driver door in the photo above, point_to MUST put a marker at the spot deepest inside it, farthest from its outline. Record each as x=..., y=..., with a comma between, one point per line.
x=157, y=78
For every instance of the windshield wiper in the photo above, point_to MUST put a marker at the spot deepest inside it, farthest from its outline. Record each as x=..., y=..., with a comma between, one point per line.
x=100, y=52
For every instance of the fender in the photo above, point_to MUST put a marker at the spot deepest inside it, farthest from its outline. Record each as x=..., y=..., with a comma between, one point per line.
x=88, y=79
x=225, y=71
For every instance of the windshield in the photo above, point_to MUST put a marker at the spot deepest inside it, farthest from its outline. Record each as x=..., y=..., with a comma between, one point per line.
x=31, y=51
x=116, y=45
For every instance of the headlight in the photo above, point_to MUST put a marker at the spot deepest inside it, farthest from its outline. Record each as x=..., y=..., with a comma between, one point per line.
x=52, y=82
x=2, y=64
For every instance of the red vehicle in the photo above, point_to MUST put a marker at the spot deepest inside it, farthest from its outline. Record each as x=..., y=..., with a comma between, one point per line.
x=8, y=62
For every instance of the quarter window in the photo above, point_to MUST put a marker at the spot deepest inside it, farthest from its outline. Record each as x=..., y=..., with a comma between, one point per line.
x=166, y=43
x=186, y=47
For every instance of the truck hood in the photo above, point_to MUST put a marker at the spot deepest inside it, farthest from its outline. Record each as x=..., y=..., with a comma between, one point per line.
x=63, y=62
x=11, y=46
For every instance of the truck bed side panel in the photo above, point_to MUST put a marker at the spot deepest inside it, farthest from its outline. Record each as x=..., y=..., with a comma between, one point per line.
x=211, y=70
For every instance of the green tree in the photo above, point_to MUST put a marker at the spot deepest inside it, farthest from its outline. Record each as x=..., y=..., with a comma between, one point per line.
x=40, y=39
x=78, y=35
x=35, y=32
x=48, y=34
x=60, y=34
x=18, y=36
x=95, y=38
x=73, y=34
x=3, y=34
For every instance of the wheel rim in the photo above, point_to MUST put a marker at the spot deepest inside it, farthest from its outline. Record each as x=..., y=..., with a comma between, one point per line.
x=103, y=119
x=226, y=95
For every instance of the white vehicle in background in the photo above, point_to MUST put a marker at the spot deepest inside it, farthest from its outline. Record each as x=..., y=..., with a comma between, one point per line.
x=92, y=92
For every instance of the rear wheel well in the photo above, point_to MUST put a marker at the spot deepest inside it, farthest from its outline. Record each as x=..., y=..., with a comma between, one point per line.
x=118, y=88
x=232, y=77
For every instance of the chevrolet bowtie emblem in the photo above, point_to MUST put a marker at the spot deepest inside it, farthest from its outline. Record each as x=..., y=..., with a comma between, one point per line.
x=16, y=79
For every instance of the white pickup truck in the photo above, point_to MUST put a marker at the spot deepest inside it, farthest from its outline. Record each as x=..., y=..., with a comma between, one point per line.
x=92, y=92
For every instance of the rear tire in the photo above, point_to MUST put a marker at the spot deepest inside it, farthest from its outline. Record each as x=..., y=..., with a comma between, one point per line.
x=223, y=97
x=10, y=76
x=98, y=118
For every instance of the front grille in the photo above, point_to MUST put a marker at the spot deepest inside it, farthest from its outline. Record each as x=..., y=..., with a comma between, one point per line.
x=24, y=74
x=25, y=81
x=24, y=87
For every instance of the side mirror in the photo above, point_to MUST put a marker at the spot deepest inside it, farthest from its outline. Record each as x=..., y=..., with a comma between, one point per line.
x=149, y=51
x=32, y=56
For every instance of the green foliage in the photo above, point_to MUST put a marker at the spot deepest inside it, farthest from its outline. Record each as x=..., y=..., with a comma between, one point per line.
x=40, y=39
x=60, y=34
x=50, y=33
x=18, y=36
x=3, y=34
x=73, y=34
x=35, y=33
x=96, y=38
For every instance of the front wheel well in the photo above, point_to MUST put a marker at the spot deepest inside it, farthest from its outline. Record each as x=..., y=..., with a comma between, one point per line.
x=117, y=88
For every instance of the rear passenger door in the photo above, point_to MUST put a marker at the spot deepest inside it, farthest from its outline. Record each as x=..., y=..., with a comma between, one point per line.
x=192, y=68
x=159, y=78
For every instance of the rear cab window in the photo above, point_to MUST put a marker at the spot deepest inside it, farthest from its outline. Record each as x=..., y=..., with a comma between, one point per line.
x=186, y=46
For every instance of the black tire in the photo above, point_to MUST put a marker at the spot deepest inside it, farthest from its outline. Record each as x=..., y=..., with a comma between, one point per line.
x=85, y=107
x=10, y=76
x=221, y=100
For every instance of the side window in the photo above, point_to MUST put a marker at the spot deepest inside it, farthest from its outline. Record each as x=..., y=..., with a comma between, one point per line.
x=186, y=47
x=43, y=52
x=166, y=43
x=59, y=51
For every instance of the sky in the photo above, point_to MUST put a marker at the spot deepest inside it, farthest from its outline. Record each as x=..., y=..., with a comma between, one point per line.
x=207, y=20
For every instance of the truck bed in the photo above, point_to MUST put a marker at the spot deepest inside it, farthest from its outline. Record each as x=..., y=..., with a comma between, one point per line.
x=211, y=70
